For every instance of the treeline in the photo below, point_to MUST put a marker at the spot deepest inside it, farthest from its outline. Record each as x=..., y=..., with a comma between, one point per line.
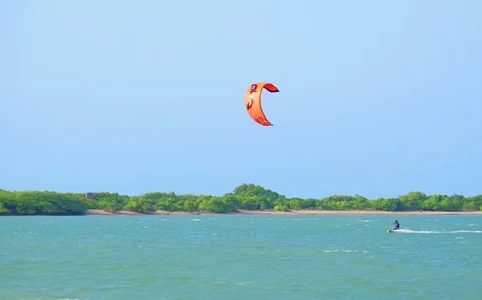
x=244, y=197
x=41, y=203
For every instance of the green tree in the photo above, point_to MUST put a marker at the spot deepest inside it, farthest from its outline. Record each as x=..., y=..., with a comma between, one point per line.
x=140, y=205
x=413, y=201
x=386, y=204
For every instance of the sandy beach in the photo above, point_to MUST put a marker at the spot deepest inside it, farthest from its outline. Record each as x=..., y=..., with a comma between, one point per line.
x=293, y=212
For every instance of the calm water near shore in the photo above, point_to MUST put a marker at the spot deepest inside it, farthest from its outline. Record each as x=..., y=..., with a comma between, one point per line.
x=240, y=257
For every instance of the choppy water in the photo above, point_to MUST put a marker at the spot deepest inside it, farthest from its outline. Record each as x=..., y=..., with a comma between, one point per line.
x=241, y=257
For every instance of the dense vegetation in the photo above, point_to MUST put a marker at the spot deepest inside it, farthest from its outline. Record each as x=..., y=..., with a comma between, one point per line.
x=244, y=197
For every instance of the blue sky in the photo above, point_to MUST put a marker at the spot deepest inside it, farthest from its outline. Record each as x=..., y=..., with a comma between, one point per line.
x=377, y=98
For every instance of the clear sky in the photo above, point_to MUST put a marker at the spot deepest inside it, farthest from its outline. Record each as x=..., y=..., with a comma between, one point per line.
x=377, y=98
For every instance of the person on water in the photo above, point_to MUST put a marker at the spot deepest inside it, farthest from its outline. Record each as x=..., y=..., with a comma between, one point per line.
x=396, y=224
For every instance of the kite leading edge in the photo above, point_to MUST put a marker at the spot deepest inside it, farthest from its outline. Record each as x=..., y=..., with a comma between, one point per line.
x=252, y=101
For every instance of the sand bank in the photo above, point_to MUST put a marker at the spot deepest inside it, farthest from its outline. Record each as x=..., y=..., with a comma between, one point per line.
x=293, y=212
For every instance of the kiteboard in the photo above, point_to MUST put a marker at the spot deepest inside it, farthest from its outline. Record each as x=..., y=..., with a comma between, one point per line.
x=390, y=231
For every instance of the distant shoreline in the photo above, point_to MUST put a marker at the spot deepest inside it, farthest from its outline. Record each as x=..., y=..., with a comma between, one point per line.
x=293, y=212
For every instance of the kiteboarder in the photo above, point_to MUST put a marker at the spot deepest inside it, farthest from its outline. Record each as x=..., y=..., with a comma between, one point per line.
x=396, y=224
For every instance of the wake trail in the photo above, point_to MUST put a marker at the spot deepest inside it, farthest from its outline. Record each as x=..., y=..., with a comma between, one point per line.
x=435, y=231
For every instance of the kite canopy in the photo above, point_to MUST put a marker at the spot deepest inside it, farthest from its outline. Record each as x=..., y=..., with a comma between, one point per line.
x=252, y=101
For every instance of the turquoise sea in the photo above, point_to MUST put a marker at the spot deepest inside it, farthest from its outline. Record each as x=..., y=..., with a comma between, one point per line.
x=240, y=257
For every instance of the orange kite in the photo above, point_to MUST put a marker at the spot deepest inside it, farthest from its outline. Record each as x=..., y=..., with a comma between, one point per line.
x=252, y=101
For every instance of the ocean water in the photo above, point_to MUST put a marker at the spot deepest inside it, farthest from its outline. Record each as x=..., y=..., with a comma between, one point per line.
x=240, y=257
